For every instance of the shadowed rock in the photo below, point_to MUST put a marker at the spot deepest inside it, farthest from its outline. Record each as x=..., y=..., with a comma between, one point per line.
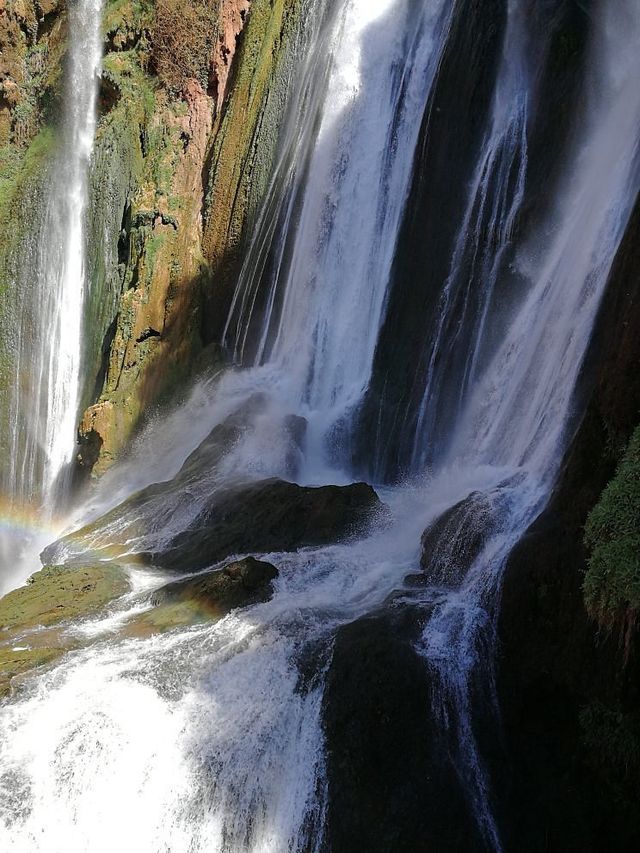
x=258, y=518
x=453, y=542
x=272, y=515
x=236, y=585
x=391, y=782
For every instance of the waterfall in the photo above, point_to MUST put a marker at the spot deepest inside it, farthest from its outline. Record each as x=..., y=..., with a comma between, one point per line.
x=210, y=738
x=332, y=267
x=497, y=191
x=47, y=299
x=517, y=421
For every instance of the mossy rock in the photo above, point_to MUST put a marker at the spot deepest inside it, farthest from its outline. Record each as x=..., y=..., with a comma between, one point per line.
x=206, y=597
x=16, y=661
x=235, y=585
x=60, y=594
x=53, y=597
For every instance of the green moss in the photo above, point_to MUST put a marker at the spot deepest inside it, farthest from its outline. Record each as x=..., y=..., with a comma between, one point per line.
x=125, y=21
x=153, y=247
x=612, y=740
x=53, y=597
x=245, y=147
x=22, y=178
x=11, y=161
x=165, y=618
x=58, y=593
x=125, y=71
x=612, y=534
x=18, y=169
x=21, y=660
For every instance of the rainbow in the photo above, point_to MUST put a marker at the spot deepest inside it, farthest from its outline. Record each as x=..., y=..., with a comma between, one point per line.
x=27, y=519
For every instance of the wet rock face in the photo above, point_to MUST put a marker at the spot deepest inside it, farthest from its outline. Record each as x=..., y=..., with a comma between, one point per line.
x=24, y=89
x=236, y=585
x=452, y=544
x=272, y=515
x=391, y=786
x=32, y=47
x=563, y=29
x=179, y=174
x=556, y=666
x=32, y=617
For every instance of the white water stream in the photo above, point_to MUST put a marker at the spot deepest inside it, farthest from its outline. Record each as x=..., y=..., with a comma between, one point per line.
x=47, y=313
x=209, y=738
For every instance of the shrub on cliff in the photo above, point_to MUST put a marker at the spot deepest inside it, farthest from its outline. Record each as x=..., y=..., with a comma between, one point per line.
x=182, y=41
x=612, y=739
x=612, y=534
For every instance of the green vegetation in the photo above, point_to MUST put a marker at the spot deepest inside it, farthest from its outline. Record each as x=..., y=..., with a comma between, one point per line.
x=182, y=38
x=19, y=170
x=612, y=534
x=612, y=739
x=127, y=23
x=59, y=592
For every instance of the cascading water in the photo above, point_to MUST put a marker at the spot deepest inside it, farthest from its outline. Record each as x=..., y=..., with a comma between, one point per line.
x=210, y=738
x=369, y=117
x=47, y=303
x=518, y=417
x=496, y=195
x=332, y=267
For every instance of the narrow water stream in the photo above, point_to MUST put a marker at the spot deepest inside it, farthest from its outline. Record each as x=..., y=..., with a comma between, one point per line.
x=43, y=314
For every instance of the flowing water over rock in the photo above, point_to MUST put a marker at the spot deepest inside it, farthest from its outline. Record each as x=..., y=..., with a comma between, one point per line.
x=211, y=737
x=44, y=309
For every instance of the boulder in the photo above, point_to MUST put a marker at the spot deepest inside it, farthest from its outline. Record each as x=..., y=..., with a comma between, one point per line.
x=455, y=540
x=204, y=598
x=236, y=585
x=256, y=517
x=268, y=516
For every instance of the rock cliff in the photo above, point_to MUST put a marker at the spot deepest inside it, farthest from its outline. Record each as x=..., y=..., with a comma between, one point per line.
x=182, y=161
x=191, y=104
x=569, y=682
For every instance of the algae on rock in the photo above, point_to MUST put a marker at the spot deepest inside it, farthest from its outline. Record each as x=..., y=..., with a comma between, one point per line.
x=178, y=176
x=51, y=599
x=58, y=593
